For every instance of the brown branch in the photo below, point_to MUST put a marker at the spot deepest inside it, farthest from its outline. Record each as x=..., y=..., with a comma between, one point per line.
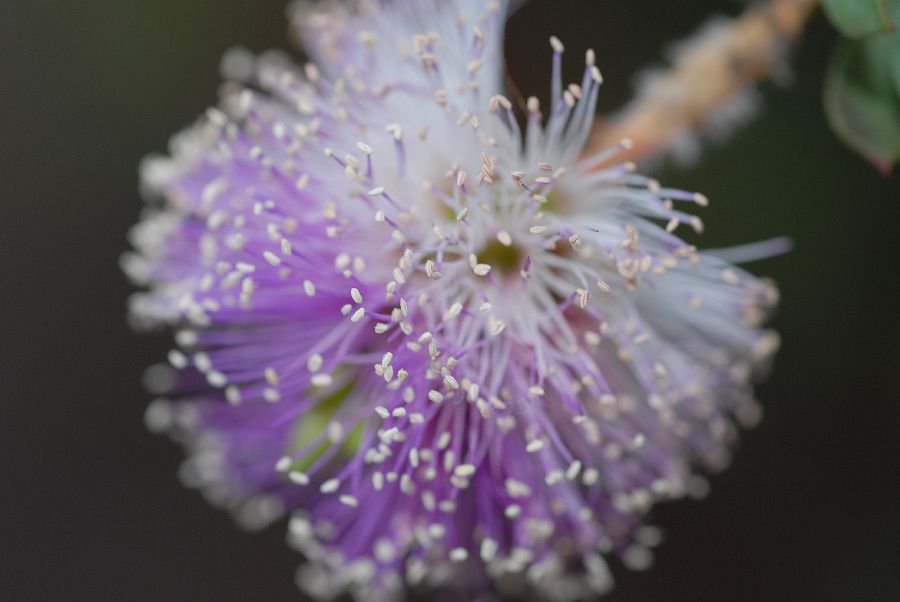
x=707, y=74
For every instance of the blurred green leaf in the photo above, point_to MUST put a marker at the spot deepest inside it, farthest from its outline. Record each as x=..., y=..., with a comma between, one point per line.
x=862, y=97
x=895, y=62
x=859, y=18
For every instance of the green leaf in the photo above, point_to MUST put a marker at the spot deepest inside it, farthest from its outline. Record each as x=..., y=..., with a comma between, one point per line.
x=859, y=18
x=862, y=98
x=895, y=62
x=313, y=423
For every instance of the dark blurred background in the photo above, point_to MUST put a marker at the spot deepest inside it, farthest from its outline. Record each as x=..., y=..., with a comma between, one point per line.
x=89, y=505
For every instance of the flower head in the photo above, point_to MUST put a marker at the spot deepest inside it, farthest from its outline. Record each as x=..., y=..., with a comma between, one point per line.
x=455, y=351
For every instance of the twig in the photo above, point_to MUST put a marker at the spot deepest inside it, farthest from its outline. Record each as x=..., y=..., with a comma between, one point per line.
x=710, y=72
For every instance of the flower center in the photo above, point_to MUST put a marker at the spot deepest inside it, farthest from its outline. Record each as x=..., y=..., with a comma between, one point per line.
x=506, y=260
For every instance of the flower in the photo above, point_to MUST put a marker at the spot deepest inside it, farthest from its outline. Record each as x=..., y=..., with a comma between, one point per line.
x=455, y=352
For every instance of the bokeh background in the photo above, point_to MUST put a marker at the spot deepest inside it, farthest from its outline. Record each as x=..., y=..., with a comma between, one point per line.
x=89, y=505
